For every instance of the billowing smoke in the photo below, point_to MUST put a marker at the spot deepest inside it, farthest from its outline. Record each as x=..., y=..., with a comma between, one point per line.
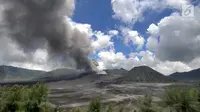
x=41, y=24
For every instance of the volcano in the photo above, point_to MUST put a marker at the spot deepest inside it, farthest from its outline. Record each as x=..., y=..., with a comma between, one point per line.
x=144, y=74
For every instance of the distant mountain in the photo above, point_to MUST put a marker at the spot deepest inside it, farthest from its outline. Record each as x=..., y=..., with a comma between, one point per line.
x=193, y=75
x=64, y=73
x=9, y=73
x=143, y=74
x=116, y=71
x=12, y=75
x=137, y=74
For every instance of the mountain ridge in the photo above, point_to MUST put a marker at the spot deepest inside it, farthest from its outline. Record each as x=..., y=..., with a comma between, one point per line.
x=9, y=73
x=193, y=75
x=136, y=74
x=144, y=74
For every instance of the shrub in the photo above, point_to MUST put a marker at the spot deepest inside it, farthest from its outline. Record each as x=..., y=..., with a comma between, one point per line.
x=23, y=98
x=145, y=104
x=109, y=108
x=95, y=105
x=75, y=110
x=46, y=107
x=181, y=100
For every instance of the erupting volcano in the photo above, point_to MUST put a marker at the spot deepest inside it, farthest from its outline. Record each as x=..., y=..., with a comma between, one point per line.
x=42, y=24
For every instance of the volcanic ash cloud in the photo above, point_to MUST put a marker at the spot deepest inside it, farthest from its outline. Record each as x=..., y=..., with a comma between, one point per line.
x=42, y=24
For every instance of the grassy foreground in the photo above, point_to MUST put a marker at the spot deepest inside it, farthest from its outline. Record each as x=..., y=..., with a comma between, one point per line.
x=34, y=98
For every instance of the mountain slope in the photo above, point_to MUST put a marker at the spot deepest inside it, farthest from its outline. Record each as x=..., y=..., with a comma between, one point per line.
x=116, y=71
x=64, y=73
x=9, y=73
x=193, y=75
x=143, y=74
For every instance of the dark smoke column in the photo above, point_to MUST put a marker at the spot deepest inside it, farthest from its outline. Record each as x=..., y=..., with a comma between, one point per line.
x=41, y=24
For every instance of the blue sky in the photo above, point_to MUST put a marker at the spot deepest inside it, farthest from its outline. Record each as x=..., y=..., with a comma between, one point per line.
x=98, y=13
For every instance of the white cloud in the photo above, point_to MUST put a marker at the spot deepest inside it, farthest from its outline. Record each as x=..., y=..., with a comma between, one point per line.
x=40, y=56
x=177, y=3
x=195, y=63
x=11, y=54
x=171, y=67
x=110, y=59
x=153, y=30
x=179, y=38
x=113, y=60
x=178, y=45
x=10, y=51
x=69, y=7
x=148, y=58
x=113, y=32
x=101, y=66
x=84, y=28
x=165, y=67
x=130, y=11
x=102, y=41
x=130, y=63
x=124, y=10
x=152, y=43
x=136, y=38
x=132, y=37
x=177, y=49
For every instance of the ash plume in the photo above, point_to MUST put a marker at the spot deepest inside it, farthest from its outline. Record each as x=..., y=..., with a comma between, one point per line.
x=41, y=24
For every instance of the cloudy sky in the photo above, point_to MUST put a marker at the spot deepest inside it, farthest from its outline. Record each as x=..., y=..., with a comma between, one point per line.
x=125, y=34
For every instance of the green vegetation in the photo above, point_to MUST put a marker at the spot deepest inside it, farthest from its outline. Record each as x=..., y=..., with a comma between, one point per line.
x=23, y=98
x=34, y=98
x=95, y=105
x=182, y=100
x=145, y=104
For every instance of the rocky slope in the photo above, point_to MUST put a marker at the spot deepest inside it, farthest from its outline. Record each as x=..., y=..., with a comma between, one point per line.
x=144, y=74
